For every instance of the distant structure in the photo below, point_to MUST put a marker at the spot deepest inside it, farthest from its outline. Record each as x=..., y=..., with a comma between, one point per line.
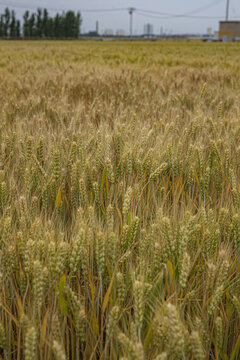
x=209, y=31
x=92, y=34
x=148, y=30
x=97, y=27
x=229, y=31
x=227, y=10
x=131, y=11
x=108, y=32
x=120, y=32
x=216, y=35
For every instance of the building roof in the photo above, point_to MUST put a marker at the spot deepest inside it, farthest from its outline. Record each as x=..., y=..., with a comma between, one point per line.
x=230, y=22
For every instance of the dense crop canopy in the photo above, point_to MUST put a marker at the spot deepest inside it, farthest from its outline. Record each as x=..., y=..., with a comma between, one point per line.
x=119, y=201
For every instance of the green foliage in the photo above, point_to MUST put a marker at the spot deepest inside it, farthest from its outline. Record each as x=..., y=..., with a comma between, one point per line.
x=39, y=25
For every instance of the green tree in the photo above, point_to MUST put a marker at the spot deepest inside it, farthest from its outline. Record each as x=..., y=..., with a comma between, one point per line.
x=13, y=25
x=26, y=24
x=78, y=23
x=69, y=24
x=39, y=23
x=1, y=25
x=18, y=29
x=45, y=23
x=58, y=29
x=7, y=17
x=32, y=28
x=50, y=28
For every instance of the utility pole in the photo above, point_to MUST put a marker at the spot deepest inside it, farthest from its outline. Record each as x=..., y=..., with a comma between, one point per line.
x=227, y=10
x=131, y=10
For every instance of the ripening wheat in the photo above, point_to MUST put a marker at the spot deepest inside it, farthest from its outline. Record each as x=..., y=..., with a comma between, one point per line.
x=119, y=201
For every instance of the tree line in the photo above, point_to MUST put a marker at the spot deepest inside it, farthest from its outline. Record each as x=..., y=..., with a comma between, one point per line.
x=40, y=25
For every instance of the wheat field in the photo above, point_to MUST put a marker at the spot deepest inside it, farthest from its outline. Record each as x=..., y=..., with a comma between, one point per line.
x=119, y=201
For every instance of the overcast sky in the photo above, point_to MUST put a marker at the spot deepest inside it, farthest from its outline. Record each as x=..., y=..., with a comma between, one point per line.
x=120, y=20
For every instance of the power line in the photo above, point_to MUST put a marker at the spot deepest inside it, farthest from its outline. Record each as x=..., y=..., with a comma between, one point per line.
x=142, y=12
x=154, y=12
x=26, y=7
x=104, y=10
x=206, y=7
x=182, y=16
x=175, y=16
x=16, y=5
x=190, y=15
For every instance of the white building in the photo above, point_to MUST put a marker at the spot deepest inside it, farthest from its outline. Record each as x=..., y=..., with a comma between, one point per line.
x=120, y=32
x=216, y=35
x=209, y=31
x=108, y=32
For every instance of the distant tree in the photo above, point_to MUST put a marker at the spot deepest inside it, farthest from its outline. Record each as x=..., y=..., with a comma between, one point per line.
x=13, y=25
x=39, y=23
x=78, y=23
x=61, y=34
x=45, y=23
x=58, y=26
x=1, y=25
x=50, y=28
x=69, y=24
x=32, y=28
x=18, y=29
x=26, y=32
x=7, y=17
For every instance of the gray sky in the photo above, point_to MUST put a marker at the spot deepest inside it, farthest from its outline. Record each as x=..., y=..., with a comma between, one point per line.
x=120, y=20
